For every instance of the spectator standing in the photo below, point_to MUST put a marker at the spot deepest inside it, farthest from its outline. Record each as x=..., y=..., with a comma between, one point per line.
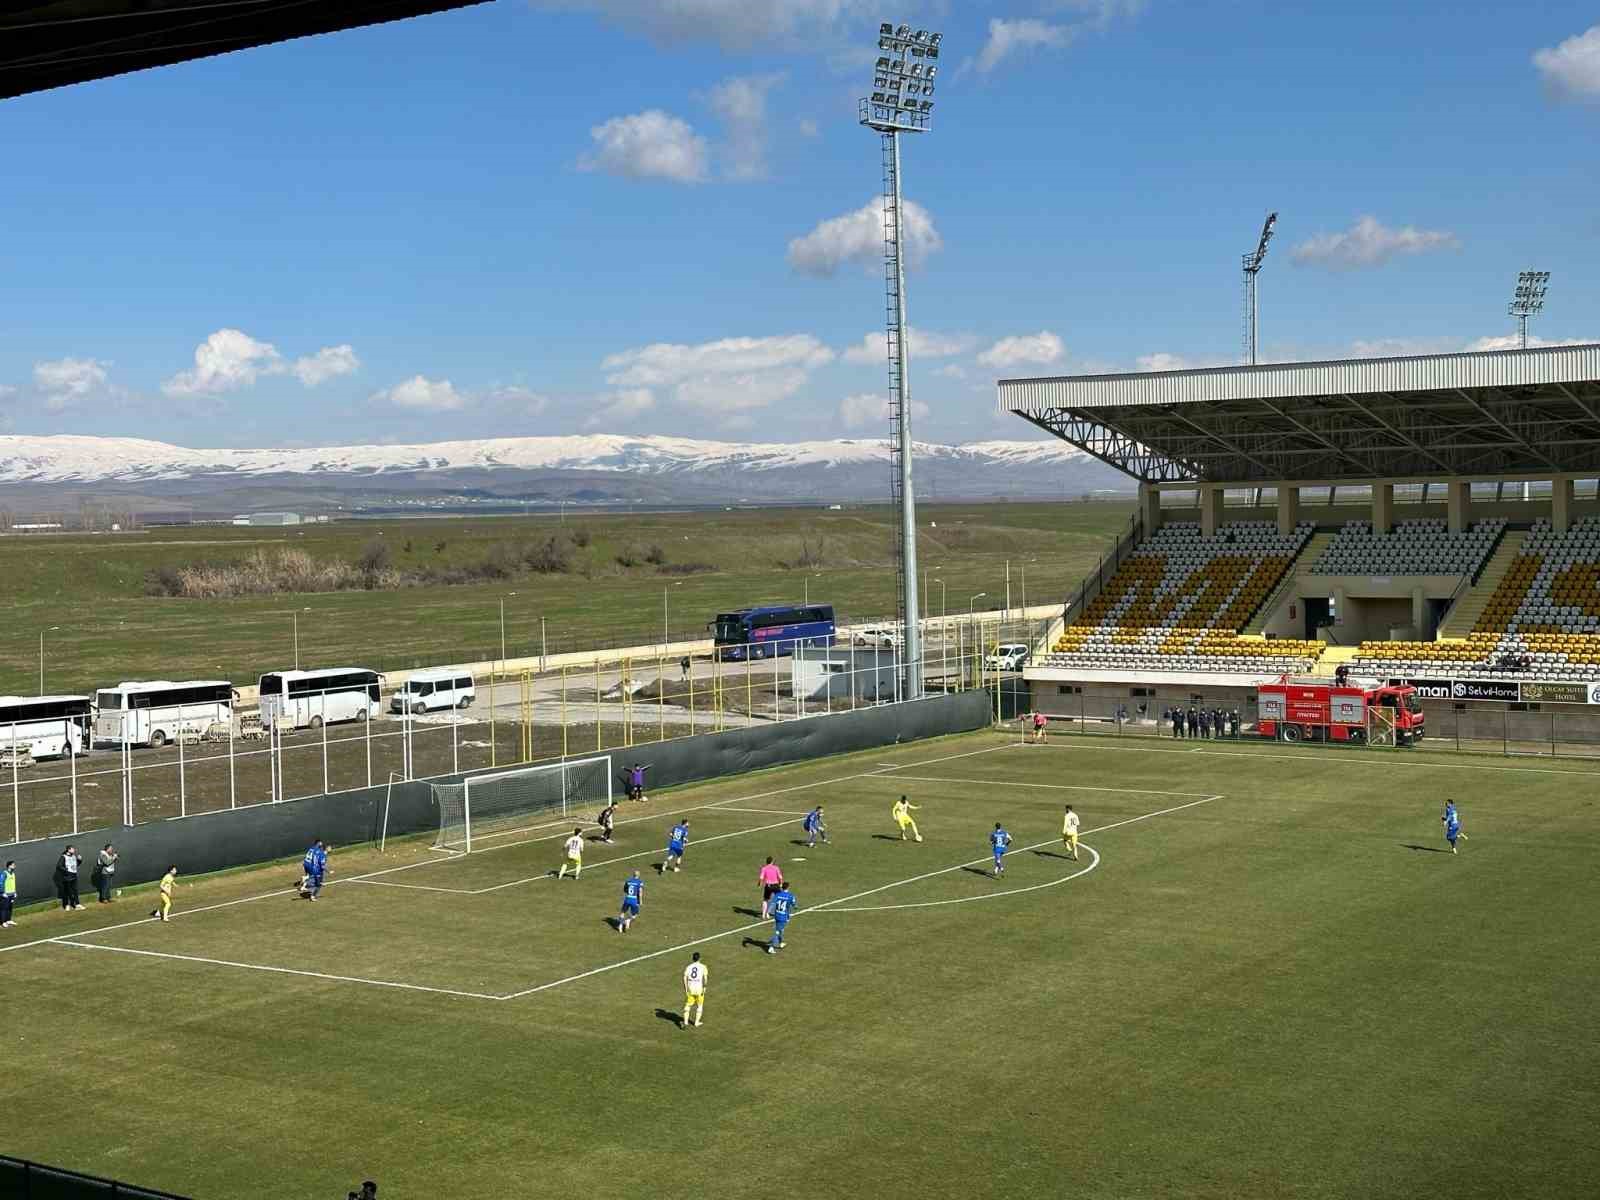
x=683, y=666
x=1177, y=722
x=1233, y=723
x=105, y=872
x=67, y=878
x=1193, y=722
x=8, y=893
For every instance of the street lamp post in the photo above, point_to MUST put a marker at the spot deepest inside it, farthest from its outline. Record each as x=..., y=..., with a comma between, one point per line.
x=944, y=634
x=972, y=623
x=503, y=629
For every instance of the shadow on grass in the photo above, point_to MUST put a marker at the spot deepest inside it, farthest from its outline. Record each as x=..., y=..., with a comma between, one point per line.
x=668, y=1015
x=983, y=871
x=756, y=942
x=749, y=912
x=1425, y=849
x=1054, y=854
x=888, y=837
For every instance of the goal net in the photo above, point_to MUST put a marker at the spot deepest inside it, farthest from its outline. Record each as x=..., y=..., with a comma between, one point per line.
x=477, y=812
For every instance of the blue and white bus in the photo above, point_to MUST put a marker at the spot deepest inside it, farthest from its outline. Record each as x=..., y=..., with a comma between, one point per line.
x=772, y=630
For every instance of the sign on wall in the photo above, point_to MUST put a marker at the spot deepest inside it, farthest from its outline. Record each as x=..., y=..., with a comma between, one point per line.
x=1527, y=691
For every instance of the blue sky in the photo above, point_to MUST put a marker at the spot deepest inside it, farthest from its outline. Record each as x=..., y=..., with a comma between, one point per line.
x=573, y=216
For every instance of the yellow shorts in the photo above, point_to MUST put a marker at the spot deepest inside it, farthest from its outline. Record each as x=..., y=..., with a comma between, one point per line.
x=574, y=860
x=165, y=902
x=694, y=998
x=1070, y=839
x=903, y=822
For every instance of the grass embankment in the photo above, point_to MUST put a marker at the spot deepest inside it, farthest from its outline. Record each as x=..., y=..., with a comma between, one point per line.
x=88, y=594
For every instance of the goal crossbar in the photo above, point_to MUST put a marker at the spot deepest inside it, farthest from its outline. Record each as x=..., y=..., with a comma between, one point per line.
x=481, y=809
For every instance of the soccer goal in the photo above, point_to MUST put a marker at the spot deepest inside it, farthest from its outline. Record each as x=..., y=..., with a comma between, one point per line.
x=484, y=808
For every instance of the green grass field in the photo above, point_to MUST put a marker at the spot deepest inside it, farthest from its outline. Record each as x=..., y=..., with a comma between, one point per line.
x=1263, y=978
x=86, y=593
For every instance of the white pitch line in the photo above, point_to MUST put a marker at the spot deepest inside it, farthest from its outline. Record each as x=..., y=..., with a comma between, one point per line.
x=1094, y=861
x=244, y=966
x=370, y=875
x=1062, y=787
x=628, y=962
x=784, y=812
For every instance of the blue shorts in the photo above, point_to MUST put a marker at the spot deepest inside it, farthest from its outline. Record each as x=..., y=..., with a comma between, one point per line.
x=631, y=907
x=675, y=849
x=1451, y=835
x=999, y=854
x=314, y=878
x=778, y=927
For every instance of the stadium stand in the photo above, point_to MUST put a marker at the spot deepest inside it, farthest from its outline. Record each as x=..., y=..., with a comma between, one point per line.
x=1180, y=599
x=1423, y=547
x=1542, y=622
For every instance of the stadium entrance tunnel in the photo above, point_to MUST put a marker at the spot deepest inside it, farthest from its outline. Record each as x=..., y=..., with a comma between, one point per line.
x=218, y=841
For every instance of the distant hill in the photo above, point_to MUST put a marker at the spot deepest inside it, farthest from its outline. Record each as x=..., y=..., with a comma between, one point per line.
x=64, y=470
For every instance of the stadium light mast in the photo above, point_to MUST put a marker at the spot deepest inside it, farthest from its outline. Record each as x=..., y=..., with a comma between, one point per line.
x=901, y=102
x=1252, y=268
x=1528, y=299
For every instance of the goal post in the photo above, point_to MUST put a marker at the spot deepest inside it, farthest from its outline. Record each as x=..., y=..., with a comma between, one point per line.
x=476, y=812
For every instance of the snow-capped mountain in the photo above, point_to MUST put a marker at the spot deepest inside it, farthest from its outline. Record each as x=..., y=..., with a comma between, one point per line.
x=604, y=466
x=66, y=458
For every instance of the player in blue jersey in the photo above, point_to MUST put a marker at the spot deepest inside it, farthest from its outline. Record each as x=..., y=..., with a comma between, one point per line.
x=313, y=867
x=998, y=841
x=675, y=844
x=815, y=827
x=1452, y=824
x=632, y=897
x=783, y=906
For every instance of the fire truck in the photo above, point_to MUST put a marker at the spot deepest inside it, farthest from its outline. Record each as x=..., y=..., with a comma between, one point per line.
x=1316, y=709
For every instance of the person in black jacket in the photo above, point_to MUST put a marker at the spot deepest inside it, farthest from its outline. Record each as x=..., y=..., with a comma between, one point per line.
x=1193, y=722
x=67, y=878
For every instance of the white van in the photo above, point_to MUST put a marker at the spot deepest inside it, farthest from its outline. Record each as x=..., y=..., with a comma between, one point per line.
x=433, y=691
x=1007, y=656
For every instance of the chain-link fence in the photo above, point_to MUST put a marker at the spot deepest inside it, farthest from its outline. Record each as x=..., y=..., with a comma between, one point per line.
x=153, y=764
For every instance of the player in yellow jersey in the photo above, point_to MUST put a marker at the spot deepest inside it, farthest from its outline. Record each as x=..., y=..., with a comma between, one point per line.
x=694, y=992
x=901, y=812
x=163, y=907
x=1069, y=832
x=574, y=856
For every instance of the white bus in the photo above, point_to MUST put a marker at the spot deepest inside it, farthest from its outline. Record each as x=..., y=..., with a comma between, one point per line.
x=311, y=699
x=431, y=691
x=45, y=726
x=153, y=712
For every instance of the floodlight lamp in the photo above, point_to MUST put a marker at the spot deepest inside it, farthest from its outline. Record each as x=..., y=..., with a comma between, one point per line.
x=932, y=71
x=885, y=28
x=885, y=43
x=903, y=32
x=894, y=83
x=880, y=81
x=883, y=64
x=927, y=89
x=927, y=106
x=878, y=98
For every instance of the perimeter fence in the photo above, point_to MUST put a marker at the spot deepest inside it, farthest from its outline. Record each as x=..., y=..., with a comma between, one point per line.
x=511, y=717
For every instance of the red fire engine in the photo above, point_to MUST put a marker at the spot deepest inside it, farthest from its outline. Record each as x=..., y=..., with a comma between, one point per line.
x=1315, y=709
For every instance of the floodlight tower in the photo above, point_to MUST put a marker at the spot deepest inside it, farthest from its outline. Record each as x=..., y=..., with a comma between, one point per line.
x=901, y=102
x=1252, y=268
x=1528, y=299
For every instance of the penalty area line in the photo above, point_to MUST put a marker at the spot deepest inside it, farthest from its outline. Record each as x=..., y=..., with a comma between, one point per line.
x=244, y=966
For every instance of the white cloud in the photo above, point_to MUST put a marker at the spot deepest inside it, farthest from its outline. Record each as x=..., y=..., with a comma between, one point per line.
x=420, y=394
x=874, y=347
x=1030, y=349
x=328, y=363
x=1401, y=347
x=721, y=377
x=226, y=361
x=64, y=382
x=1369, y=243
x=741, y=104
x=1512, y=341
x=872, y=408
x=731, y=24
x=1027, y=33
x=809, y=128
x=1162, y=361
x=857, y=237
x=648, y=145
x=1572, y=69
x=622, y=406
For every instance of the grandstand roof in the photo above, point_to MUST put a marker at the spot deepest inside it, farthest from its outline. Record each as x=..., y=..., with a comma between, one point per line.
x=52, y=44
x=1518, y=413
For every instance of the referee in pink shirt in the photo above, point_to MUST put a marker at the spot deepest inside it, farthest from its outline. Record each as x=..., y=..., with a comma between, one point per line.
x=771, y=879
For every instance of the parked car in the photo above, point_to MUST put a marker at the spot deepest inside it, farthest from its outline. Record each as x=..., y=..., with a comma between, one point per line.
x=1007, y=656
x=433, y=691
x=879, y=635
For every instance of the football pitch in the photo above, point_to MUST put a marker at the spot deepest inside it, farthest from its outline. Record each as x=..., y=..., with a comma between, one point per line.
x=1265, y=975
